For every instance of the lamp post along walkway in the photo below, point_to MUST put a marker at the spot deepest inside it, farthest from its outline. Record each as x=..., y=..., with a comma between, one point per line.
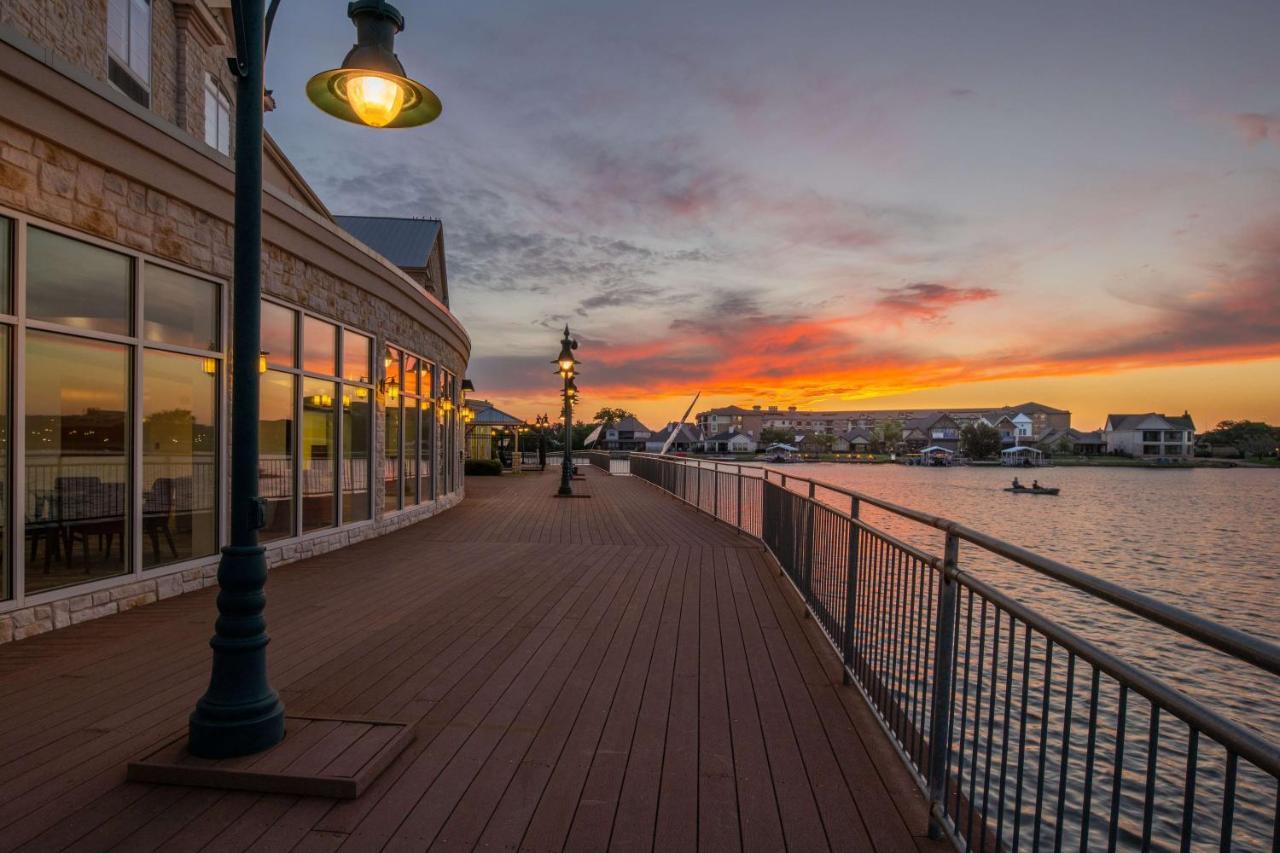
x=241, y=714
x=566, y=365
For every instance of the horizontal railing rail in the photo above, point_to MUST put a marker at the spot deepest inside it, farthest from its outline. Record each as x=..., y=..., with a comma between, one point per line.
x=1021, y=730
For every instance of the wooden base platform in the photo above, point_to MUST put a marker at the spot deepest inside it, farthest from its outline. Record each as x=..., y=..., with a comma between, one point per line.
x=319, y=757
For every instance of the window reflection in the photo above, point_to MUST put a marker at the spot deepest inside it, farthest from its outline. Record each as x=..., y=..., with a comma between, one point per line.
x=6, y=591
x=410, y=451
x=356, y=350
x=6, y=265
x=319, y=450
x=275, y=453
x=424, y=447
x=76, y=284
x=278, y=334
x=319, y=346
x=77, y=460
x=180, y=309
x=391, y=439
x=410, y=374
x=357, y=425
x=179, y=458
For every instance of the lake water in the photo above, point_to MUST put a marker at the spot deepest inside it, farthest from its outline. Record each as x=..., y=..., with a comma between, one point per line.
x=1206, y=540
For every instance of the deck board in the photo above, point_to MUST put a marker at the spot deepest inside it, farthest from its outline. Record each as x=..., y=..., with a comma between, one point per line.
x=620, y=671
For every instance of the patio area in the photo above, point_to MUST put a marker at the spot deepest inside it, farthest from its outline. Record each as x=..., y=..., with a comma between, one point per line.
x=614, y=672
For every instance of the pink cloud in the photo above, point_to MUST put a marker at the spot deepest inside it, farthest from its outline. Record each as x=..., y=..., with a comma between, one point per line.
x=1258, y=127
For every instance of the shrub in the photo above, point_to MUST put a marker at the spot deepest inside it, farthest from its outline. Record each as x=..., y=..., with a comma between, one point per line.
x=482, y=468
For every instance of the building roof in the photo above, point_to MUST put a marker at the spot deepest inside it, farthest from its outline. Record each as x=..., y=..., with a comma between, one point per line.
x=688, y=432
x=728, y=435
x=1126, y=422
x=404, y=241
x=628, y=425
x=487, y=415
x=858, y=433
x=1032, y=409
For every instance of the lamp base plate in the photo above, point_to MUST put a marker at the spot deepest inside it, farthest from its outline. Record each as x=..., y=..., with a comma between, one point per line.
x=571, y=496
x=320, y=756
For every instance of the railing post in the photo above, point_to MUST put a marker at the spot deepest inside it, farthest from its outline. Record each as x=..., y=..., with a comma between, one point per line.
x=810, y=515
x=697, y=495
x=943, y=674
x=715, y=489
x=851, y=590
x=739, y=497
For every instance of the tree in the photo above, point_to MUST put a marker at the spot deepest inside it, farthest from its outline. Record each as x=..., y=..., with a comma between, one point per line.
x=776, y=435
x=609, y=415
x=889, y=434
x=1250, y=438
x=979, y=440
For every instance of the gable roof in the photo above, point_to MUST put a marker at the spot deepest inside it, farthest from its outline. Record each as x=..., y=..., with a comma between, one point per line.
x=1127, y=422
x=688, y=433
x=729, y=435
x=1032, y=409
x=628, y=425
x=858, y=433
x=487, y=415
x=406, y=242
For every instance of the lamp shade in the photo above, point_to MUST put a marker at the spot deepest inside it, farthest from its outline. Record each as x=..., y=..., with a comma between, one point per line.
x=371, y=88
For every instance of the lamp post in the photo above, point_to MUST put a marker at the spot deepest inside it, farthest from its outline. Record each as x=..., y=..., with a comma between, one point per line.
x=240, y=713
x=565, y=364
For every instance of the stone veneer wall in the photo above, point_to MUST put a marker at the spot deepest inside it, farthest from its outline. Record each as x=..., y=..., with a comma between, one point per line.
x=57, y=184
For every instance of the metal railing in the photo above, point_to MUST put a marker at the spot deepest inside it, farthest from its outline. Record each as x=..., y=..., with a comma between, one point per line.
x=1023, y=733
x=610, y=461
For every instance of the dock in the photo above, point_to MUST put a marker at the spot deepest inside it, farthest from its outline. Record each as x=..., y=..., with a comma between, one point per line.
x=618, y=672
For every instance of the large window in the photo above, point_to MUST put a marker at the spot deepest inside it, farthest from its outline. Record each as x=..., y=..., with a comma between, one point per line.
x=217, y=116
x=129, y=47
x=409, y=430
x=179, y=457
x=320, y=371
x=121, y=395
x=77, y=460
x=357, y=425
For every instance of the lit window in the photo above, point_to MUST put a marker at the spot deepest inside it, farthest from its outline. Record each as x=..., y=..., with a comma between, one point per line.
x=217, y=117
x=129, y=44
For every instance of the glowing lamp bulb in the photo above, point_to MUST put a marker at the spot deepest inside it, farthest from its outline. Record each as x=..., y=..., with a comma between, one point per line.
x=376, y=100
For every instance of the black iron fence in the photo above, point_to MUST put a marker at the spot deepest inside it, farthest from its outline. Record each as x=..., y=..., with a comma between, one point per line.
x=1023, y=733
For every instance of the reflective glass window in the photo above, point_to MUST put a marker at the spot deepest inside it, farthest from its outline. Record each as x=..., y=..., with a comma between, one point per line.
x=6, y=266
x=319, y=453
x=356, y=352
x=275, y=453
x=357, y=433
x=278, y=334
x=180, y=309
x=179, y=457
x=319, y=346
x=76, y=284
x=77, y=460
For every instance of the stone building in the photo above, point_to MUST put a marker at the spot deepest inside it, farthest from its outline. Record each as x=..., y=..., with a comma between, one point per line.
x=116, y=199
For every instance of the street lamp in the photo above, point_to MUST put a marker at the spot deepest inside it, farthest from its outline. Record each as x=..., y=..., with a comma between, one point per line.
x=565, y=364
x=240, y=713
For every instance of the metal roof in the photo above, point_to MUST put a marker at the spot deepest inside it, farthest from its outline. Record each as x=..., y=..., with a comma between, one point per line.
x=405, y=242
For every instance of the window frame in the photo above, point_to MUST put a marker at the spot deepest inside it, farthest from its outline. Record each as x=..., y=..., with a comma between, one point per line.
x=426, y=392
x=125, y=63
x=214, y=92
x=137, y=345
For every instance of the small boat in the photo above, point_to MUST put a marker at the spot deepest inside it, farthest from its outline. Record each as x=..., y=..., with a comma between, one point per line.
x=1027, y=490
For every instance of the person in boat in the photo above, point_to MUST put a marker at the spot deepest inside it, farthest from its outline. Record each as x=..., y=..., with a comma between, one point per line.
x=1016, y=484
x=1035, y=484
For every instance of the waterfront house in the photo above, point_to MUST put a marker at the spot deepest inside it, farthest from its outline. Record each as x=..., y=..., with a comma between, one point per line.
x=858, y=440
x=626, y=434
x=730, y=441
x=1073, y=441
x=1150, y=436
x=726, y=418
x=688, y=438
x=932, y=428
x=115, y=173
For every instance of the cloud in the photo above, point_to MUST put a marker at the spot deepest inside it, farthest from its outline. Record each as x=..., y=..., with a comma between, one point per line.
x=1258, y=127
x=928, y=301
x=730, y=345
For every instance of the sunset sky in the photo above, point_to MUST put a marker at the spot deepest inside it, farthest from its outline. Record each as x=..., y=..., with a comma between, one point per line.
x=835, y=205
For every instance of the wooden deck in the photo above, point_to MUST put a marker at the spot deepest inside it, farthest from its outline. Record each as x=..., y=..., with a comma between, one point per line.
x=616, y=672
